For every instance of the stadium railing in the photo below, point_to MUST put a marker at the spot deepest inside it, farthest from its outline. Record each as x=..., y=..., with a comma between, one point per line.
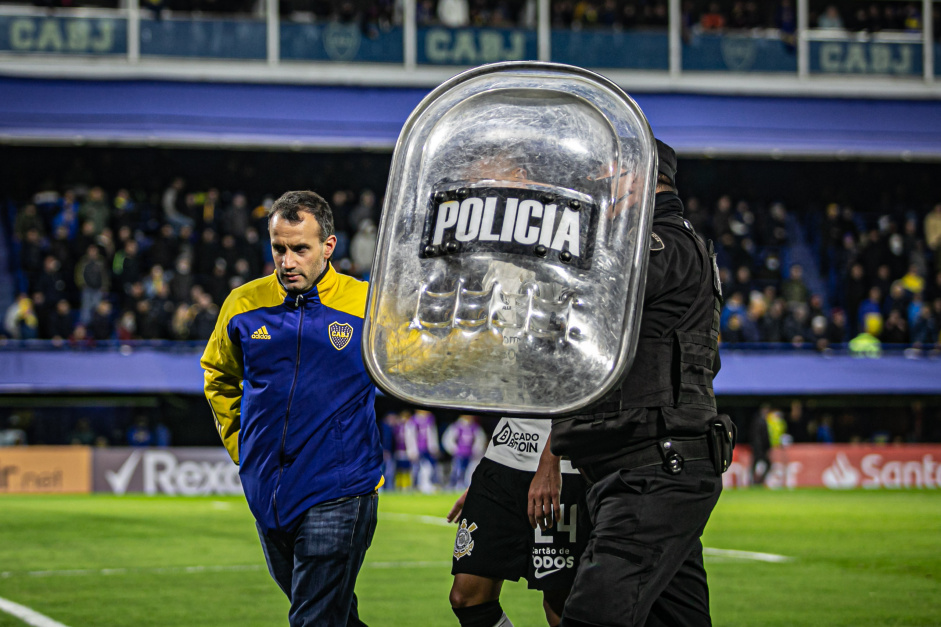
x=128, y=36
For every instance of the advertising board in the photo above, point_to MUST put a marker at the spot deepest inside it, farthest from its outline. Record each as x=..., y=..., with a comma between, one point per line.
x=843, y=467
x=45, y=469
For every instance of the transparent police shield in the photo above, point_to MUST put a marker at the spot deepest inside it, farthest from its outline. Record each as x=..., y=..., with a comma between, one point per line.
x=513, y=243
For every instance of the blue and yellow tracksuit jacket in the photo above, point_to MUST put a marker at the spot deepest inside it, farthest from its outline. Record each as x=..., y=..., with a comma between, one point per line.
x=292, y=401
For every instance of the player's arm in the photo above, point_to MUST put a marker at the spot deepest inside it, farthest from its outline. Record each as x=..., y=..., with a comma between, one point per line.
x=457, y=508
x=545, y=490
x=222, y=383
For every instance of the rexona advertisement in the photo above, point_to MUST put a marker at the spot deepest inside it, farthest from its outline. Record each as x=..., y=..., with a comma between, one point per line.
x=170, y=471
x=843, y=467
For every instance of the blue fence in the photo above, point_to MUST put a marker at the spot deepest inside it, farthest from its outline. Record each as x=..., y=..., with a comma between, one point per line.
x=337, y=41
x=219, y=39
x=639, y=50
x=732, y=53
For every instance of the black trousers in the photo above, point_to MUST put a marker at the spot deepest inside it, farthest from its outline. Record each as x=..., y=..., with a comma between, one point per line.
x=643, y=564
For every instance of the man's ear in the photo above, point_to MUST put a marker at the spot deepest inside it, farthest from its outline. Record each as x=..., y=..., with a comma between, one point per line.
x=329, y=244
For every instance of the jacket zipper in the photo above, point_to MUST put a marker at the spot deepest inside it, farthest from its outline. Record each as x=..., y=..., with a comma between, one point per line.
x=287, y=414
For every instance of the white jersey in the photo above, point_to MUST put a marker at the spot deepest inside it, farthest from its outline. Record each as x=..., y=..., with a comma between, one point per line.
x=518, y=443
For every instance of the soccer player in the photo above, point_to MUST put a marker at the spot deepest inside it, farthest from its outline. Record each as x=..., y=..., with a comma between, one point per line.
x=522, y=516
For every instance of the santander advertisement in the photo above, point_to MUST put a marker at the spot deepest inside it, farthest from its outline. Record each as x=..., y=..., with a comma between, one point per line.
x=843, y=467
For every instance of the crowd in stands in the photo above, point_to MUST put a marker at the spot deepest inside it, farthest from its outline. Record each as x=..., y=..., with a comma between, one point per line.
x=880, y=283
x=202, y=6
x=872, y=17
x=697, y=15
x=709, y=16
x=94, y=266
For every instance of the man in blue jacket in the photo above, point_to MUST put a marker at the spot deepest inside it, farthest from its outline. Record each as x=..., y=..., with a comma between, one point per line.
x=295, y=409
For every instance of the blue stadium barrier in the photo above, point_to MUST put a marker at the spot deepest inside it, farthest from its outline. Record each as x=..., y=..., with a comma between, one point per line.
x=340, y=42
x=734, y=53
x=219, y=39
x=35, y=367
x=630, y=50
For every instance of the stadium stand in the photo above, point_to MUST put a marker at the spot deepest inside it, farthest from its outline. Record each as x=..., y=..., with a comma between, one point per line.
x=168, y=258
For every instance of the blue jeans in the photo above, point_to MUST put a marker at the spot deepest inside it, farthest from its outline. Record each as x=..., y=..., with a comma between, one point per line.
x=316, y=565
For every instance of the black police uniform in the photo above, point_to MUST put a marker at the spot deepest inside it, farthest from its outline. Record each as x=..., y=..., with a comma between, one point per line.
x=654, y=449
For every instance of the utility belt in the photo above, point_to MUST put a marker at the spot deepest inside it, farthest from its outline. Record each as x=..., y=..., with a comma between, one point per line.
x=673, y=453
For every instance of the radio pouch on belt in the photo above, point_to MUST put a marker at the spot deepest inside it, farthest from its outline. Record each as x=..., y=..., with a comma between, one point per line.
x=722, y=441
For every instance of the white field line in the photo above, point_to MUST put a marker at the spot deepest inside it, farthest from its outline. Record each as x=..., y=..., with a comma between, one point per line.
x=747, y=555
x=28, y=616
x=427, y=520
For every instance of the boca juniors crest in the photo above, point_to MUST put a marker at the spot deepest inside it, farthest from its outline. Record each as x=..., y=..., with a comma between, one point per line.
x=340, y=334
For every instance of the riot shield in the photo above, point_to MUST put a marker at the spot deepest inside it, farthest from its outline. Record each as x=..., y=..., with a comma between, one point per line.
x=512, y=248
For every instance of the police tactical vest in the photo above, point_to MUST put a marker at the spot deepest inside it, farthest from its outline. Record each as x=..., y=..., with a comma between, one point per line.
x=677, y=369
x=672, y=373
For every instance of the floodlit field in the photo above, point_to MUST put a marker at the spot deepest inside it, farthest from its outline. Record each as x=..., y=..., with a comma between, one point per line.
x=855, y=558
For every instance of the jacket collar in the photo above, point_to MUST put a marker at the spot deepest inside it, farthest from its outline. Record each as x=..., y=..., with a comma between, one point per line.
x=325, y=284
x=667, y=204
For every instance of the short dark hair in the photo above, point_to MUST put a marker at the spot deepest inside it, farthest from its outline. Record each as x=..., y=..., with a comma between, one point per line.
x=665, y=184
x=291, y=204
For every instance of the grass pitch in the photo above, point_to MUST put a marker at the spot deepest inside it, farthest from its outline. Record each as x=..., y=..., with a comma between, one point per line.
x=855, y=558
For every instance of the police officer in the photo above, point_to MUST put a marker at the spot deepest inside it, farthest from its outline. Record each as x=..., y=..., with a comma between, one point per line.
x=653, y=450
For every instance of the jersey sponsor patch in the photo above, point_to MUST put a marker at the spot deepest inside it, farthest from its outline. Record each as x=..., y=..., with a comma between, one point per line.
x=261, y=334
x=340, y=334
x=517, y=440
x=545, y=565
x=549, y=556
x=464, y=543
